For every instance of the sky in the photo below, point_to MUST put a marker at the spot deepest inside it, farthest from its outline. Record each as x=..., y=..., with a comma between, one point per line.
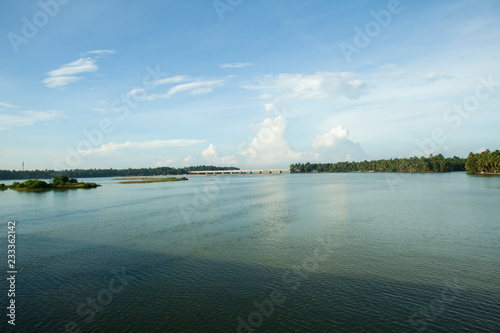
x=252, y=84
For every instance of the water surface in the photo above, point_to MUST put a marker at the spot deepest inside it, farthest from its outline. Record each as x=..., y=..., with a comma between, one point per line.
x=344, y=252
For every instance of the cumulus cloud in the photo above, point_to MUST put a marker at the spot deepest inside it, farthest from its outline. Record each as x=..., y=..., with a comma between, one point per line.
x=332, y=138
x=66, y=74
x=212, y=155
x=25, y=118
x=236, y=65
x=269, y=147
x=188, y=161
x=166, y=163
x=335, y=146
x=316, y=86
x=112, y=146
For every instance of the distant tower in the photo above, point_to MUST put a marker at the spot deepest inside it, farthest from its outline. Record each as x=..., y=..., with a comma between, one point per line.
x=23, y=165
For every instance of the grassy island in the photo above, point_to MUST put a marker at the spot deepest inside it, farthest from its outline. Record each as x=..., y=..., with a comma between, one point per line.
x=58, y=183
x=149, y=180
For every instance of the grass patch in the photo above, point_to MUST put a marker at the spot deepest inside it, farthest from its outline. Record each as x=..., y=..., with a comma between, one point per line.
x=150, y=180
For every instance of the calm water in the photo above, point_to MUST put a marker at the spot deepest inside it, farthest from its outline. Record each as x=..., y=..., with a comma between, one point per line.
x=281, y=253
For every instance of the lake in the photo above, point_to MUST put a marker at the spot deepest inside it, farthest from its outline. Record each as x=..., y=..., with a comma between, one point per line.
x=357, y=252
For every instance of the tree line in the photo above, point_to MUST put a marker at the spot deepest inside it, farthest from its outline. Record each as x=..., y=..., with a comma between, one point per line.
x=91, y=173
x=432, y=163
x=484, y=162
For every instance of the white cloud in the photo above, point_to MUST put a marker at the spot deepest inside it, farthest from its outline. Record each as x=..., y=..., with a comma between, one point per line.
x=236, y=65
x=212, y=155
x=111, y=147
x=65, y=74
x=99, y=53
x=165, y=163
x=27, y=118
x=135, y=91
x=270, y=148
x=193, y=88
x=82, y=65
x=7, y=105
x=188, y=161
x=434, y=77
x=332, y=138
x=172, y=79
x=60, y=81
x=335, y=146
x=316, y=86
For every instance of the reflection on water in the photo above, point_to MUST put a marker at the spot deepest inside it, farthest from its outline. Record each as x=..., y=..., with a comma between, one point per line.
x=202, y=252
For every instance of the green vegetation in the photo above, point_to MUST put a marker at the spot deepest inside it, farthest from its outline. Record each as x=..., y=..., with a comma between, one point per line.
x=58, y=183
x=485, y=162
x=413, y=164
x=150, y=180
x=88, y=173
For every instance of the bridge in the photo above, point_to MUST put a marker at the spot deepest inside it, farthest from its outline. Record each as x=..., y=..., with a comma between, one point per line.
x=238, y=172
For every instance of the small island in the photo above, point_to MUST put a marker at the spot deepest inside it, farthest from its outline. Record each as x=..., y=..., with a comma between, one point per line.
x=57, y=183
x=149, y=180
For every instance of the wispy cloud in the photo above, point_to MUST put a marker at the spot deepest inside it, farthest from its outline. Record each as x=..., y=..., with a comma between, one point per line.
x=8, y=105
x=172, y=79
x=99, y=53
x=194, y=88
x=65, y=74
x=112, y=146
x=60, y=81
x=27, y=118
x=236, y=65
x=315, y=86
x=434, y=77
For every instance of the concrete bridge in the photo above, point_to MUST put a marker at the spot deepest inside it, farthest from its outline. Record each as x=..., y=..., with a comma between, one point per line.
x=238, y=172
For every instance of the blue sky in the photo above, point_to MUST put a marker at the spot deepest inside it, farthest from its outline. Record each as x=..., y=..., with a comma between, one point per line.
x=255, y=84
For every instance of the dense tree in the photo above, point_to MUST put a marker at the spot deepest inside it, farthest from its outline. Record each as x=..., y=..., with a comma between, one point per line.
x=413, y=164
x=484, y=162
